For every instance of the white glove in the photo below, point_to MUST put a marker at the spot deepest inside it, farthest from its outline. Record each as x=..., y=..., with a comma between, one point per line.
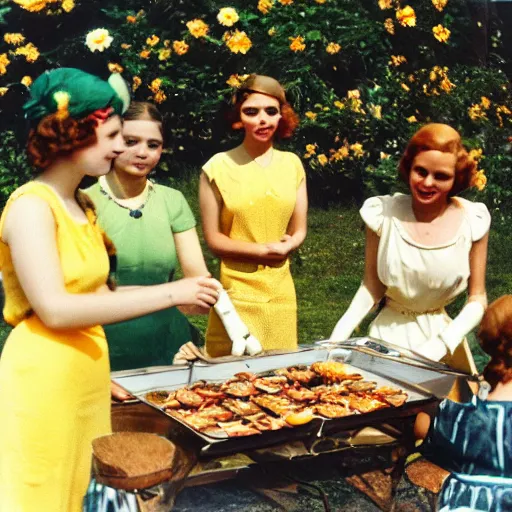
x=469, y=317
x=361, y=305
x=237, y=331
x=433, y=349
x=253, y=346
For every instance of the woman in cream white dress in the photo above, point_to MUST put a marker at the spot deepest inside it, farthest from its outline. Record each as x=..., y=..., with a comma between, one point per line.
x=422, y=251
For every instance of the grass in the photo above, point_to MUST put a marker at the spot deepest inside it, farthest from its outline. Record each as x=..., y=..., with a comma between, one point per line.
x=328, y=269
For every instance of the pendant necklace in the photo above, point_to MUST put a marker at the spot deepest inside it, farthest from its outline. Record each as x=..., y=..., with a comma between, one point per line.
x=135, y=213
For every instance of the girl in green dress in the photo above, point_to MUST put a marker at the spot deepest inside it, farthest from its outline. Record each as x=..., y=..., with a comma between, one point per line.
x=153, y=230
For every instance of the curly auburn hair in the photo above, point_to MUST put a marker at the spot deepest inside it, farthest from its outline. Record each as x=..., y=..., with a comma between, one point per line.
x=444, y=138
x=287, y=124
x=495, y=336
x=54, y=137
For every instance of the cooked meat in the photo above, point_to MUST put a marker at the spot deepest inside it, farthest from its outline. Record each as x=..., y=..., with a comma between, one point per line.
x=333, y=410
x=362, y=385
x=241, y=407
x=301, y=394
x=240, y=389
x=395, y=400
x=188, y=398
x=270, y=384
x=245, y=376
x=334, y=371
x=157, y=397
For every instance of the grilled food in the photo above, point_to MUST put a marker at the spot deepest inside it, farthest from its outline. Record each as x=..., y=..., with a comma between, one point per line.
x=334, y=371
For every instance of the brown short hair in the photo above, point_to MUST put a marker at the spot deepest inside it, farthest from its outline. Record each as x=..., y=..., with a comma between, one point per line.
x=287, y=124
x=54, y=137
x=439, y=137
x=144, y=111
x=495, y=336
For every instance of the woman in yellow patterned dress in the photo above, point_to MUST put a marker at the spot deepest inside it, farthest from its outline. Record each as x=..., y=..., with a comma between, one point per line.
x=54, y=370
x=253, y=203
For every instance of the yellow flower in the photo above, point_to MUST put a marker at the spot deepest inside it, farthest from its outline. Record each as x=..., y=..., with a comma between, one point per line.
x=98, y=39
x=131, y=19
x=310, y=115
x=476, y=154
x=354, y=94
x=286, y=2
x=503, y=109
x=339, y=104
x=297, y=44
x=115, y=68
x=320, y=1
x=160, y=97
x=333, y=48
x=3, y=90
x=136, y=83
x=227, y=16
x=384, y=156
x=446, y=85
x=441, y=33
x=238, y=42
x=439, y=4
x=385, y=4
x=412, y=119
x=14, y=38
x=154, y=86
x=144, y=54
x=475, y=112
x=68, y=5
x=26, y=81
x=405, y=87
x=272, y=31
x=311, y=148
x=357, y=148
x=167, y=43
x=198, y=28
x=485, y=102
x=180, y=47
x=236, y=80
x=322, y=159
x=406, y=16
x=153, y=40
x=264, y=6
x=34, y=5
x=4, y=62
x=479, y=180
x=164, y=53
x=389, y=26
x=375, y=111
x=396, y=60
x=29, y=51
x=340, y=154
x=125, y=46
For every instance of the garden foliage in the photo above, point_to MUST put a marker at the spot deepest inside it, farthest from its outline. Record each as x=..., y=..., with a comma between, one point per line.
x=363, y=75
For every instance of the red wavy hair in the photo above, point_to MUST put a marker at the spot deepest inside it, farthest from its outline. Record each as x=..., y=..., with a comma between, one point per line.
x=439, y=137
x=495, y=336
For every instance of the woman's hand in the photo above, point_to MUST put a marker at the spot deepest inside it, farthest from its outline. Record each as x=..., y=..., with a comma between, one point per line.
x=195, y=291
x=118, y=393
x=280, y=250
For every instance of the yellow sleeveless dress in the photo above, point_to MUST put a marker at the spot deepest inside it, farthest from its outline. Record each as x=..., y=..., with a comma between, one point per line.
x=258, y=203
x=54, y=385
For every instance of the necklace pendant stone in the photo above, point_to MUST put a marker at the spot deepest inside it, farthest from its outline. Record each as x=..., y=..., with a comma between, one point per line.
x=136, y=214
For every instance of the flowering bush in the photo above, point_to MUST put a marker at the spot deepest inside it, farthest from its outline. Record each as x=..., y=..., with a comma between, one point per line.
x=362, y=75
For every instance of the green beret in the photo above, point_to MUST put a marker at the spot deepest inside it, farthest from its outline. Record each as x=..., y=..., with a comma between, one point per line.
x=79, y=92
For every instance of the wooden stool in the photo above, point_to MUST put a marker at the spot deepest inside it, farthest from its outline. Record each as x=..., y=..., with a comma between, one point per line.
x=136, y=462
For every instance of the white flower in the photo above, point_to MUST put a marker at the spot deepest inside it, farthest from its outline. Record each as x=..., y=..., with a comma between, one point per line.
x=98, y=39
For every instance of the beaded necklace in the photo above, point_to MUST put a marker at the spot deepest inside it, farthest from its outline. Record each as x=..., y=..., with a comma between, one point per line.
x=135, y=213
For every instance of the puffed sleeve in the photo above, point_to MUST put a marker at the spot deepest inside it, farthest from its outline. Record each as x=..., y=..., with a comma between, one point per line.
x=479, y=219
x=372, y=212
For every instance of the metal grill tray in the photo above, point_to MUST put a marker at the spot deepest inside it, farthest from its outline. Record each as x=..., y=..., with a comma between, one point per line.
x=416, y=382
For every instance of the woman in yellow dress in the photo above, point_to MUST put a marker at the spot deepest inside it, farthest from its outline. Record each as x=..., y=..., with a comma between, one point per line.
x=253, y=203
x=54, y=370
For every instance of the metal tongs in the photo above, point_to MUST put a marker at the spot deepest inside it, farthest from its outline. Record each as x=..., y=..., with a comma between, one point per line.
x=380, y=348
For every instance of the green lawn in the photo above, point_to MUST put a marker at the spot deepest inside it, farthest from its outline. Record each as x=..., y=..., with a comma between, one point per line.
x=329, y=266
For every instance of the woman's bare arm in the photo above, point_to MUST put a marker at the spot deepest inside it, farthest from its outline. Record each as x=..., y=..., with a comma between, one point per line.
x=478, y=265
x=29, y=230
x=190, y=254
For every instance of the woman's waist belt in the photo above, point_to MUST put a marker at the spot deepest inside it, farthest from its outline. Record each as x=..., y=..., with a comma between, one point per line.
x=404, y=310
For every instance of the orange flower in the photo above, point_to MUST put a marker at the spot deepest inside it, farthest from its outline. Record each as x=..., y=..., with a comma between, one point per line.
x=385, y=4
x=264, y=6
x=136, y=83
x=478, y=180
x=160, y=97
x=238, y=42
x=396, y=60
x=153, y=40
x=333, y=48
x=164, y=53
x=286, y=2
x=115, y=68
x=144, y=54
x=154, y=86
x=297, y=44
x=389, y=26
x=198, y=28
x=180, y=47
x=125, y=46
x=406, y=16
x=131, y=19
x=439, y=4
x=441, y=33
x=485, y=102
x=29, y=51
x=405, y=87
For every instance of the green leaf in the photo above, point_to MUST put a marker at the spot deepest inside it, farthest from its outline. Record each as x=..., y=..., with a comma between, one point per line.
x=314, y=35
x=3, y=12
